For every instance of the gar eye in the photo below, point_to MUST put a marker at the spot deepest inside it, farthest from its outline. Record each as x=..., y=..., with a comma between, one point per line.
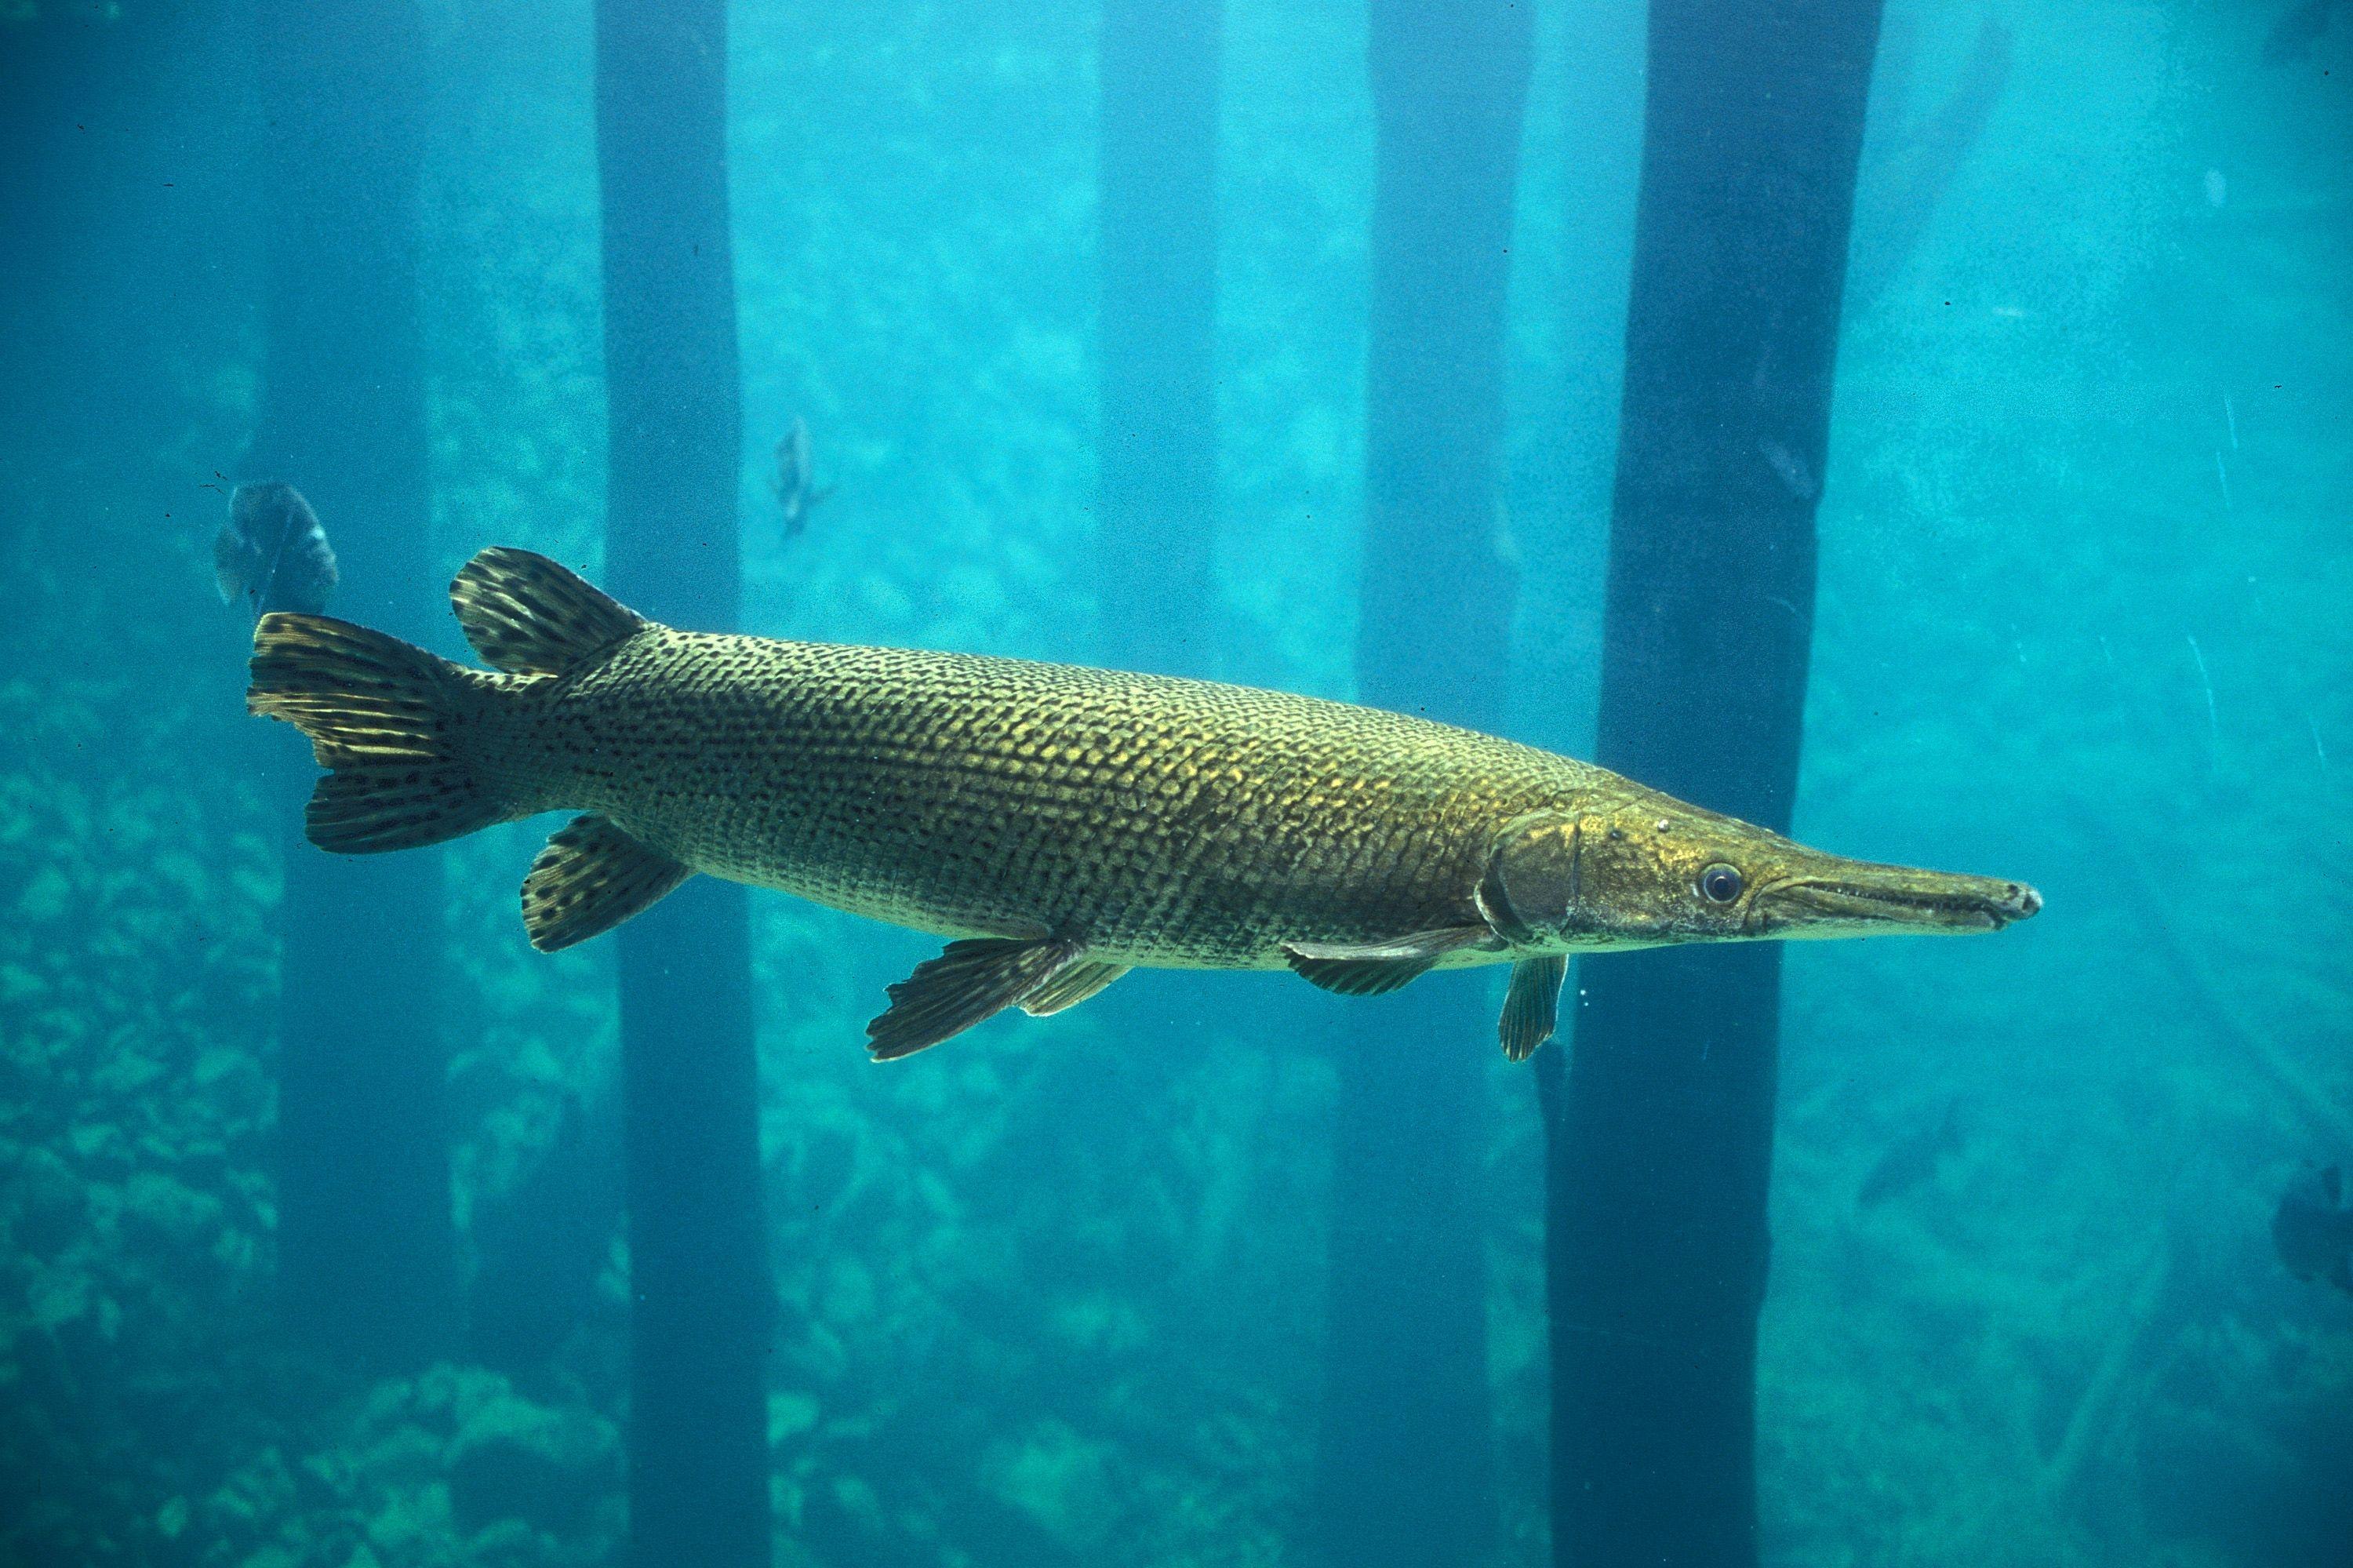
x=1720, y=884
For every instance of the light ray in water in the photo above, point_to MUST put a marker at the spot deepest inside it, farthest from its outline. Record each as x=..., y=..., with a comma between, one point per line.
x=2231, y=419
x=2224, y=474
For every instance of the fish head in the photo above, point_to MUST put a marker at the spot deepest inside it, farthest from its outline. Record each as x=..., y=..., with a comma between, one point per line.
x=1653, y=871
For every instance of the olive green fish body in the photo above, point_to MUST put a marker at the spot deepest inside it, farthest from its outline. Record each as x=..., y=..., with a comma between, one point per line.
x=1165, y=822
x=1064, y=824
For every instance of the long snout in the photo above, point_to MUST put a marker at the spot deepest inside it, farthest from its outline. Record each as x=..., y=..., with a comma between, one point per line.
x=1857, y=898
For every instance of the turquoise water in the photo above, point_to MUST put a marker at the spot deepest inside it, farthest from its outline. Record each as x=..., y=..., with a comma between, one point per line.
x=1060, y=1291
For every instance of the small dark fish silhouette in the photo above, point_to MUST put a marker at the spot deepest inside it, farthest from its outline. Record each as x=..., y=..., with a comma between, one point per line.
x=2292, y=37
x=795, y=482
x=2313, y=1230
x=271, y=552
x=1912, y=1160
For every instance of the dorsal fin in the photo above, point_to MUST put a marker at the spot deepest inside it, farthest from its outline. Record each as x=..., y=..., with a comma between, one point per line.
x=529, y=616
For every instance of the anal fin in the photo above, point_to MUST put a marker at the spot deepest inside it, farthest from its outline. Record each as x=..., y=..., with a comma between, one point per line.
x=1375, y=969
x=589, y=878
x=1531, y=1004
x=972, y=980
x=1070, y=987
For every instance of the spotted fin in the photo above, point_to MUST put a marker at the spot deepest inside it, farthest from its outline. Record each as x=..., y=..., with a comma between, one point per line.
x=1375, y=969
x=589, y=878
x=1070, y=988
x=973, y=980
x=529, y=616
x=384, y=716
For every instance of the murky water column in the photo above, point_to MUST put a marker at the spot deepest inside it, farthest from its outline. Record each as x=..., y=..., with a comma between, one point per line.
x=1156, y=433
x=366, y=1247
x=1406, y=1449
x=700, y=1297
x=1661, y=1136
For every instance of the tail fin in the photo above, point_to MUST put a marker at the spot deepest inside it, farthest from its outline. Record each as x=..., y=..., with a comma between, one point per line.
x=379, y=713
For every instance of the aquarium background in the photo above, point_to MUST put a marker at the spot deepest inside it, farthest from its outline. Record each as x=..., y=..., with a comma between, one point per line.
x=1054, y=1293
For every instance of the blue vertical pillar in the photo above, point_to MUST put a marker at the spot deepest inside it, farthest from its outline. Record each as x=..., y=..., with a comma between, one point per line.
x=1659, y=1131
x=365, y=1239
x=1406, y=1441
x=700, y=1298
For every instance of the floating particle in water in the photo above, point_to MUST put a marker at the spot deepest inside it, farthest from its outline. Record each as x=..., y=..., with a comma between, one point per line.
x=2230, y=419
x=1795, y=476
x=2213, y=720
x=2224, y=474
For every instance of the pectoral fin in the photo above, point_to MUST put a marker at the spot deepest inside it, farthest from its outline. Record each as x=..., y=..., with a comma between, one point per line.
x=1375, y=969
x=973, y=980
x=1531, y=1005
x=589, y=878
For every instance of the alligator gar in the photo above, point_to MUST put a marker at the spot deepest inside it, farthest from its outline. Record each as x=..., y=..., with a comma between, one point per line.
x=1061, y=824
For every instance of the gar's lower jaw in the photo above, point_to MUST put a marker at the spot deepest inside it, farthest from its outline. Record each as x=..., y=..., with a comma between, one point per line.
x=1894, y=898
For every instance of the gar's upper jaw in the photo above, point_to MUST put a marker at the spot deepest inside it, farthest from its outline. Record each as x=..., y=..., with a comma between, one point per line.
x=1857, y=898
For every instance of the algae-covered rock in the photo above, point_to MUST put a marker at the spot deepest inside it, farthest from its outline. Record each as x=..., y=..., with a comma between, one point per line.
x=790, y=1414
x=172, y=1214
x=50, y=1201
x=515, y=1459
x=1058, y=1479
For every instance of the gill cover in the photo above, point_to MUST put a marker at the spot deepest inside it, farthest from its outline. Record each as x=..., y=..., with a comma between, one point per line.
x=1534, y=879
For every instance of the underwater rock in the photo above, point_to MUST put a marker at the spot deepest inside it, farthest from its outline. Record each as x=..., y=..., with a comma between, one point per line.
x=1060, y=1481
x=51, y=1204
x=545, y=1243
x=842, y=1521
x=549, y=1469
x=790, y=1414
x=172, y=1213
